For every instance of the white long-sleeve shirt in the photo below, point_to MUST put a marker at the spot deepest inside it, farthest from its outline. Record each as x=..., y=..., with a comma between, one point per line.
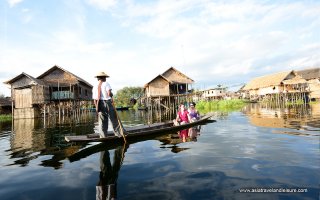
x=105, y=87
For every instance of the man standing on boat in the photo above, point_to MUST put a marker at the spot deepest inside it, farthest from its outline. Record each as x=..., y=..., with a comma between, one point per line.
x=102, y=98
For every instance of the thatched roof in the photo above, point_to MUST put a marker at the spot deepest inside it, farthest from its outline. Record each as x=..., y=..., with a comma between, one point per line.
x=172, y=76
x=157, y=77
x=296, y=80
x=176, y=76
x=267, y=81
x=308, y=74
x=33, y=80
x=60, y=68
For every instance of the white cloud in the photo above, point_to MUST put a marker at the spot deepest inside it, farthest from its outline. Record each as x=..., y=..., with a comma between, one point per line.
x=210, y=41
x=13, y=3
x=102, y=4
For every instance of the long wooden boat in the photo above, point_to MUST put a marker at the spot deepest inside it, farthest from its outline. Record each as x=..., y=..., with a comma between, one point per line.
x=122, y=108
x=137, y=131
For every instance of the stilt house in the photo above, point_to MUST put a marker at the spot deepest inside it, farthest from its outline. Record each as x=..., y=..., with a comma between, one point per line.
x=171, y=82
x=288, y=83
x=167, y=89
x=312, y=77
x=56, y=85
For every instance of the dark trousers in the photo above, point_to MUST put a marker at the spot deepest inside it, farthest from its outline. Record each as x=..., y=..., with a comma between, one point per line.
x=106, y=111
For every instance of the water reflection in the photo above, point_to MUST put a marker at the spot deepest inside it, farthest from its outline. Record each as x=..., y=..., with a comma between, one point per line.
x=172, y=140
x=107, y=185
x=299, y=120
x=31, y=138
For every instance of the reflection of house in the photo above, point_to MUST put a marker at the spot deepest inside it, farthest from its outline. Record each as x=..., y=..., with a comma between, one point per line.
x=214, y=93
x=171, y=82
x=54, y=85
x=24, y=137
x=312, y=76
x=298, y=117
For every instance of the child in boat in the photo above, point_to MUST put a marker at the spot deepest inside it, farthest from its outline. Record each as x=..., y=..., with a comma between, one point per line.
x=182, y=116
x=193, y=113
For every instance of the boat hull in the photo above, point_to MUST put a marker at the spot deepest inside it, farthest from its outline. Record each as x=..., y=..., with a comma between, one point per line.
x=137, y=131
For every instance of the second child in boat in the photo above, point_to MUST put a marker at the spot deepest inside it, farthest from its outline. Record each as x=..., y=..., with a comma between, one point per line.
x=193, y=113
x=182, y=116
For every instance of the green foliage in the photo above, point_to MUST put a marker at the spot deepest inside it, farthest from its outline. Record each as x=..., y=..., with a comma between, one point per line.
x=4, y=118
x=123, y=96
x=220, y=105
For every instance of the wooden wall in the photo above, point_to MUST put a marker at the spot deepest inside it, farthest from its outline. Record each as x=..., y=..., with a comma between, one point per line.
x=22, y=82
x=158, y=87
x=23, y=98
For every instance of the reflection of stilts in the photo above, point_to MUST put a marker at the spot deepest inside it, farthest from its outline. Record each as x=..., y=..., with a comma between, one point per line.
x=107, y=185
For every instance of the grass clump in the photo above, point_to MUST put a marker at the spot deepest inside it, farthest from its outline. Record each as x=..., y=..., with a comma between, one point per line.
x=220, y=105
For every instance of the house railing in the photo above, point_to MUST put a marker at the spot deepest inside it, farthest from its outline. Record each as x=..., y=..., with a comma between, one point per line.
x=62, y=95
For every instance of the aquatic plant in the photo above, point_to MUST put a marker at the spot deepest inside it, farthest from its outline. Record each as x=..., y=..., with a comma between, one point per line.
x=7, y=117
x=220, y=105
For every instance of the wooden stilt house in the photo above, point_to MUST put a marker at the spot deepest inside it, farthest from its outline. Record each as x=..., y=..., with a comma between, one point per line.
x=171, y=82
x=65, y=85
x=26, y=93
x=312, y=76
x=167, y=89
x=268, y=84
x=55, y=86
x=279, y=87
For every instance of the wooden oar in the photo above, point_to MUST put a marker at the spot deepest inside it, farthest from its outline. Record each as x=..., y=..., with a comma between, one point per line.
x=119, y=122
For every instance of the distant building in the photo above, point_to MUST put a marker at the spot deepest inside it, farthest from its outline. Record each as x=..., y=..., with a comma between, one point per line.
x=214, y=93
x=54, y=85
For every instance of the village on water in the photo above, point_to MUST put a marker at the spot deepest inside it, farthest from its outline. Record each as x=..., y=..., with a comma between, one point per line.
x=59, y=92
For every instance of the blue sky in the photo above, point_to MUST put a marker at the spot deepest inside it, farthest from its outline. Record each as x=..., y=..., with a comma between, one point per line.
x=213, y=42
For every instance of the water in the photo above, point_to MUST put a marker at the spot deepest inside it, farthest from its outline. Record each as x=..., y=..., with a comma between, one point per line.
x=255, y=148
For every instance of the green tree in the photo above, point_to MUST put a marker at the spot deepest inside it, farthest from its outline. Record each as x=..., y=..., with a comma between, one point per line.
x=125, y=95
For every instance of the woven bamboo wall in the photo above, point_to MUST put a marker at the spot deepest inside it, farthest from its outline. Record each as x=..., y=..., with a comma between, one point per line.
x=158, y=87
x=40, y=94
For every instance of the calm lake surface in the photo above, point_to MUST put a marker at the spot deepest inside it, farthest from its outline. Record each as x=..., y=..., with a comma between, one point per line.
x=255, y=149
